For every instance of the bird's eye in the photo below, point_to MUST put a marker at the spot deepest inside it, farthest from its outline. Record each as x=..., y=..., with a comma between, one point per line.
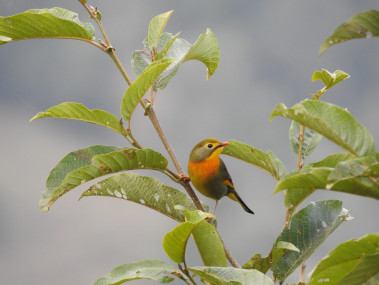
x=210, y=145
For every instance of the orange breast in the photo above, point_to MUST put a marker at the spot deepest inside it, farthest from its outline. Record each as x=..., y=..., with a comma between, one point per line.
x=201, y=172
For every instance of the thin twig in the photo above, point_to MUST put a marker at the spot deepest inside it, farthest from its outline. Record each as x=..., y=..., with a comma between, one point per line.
x=187, y=272
x=229, y=256
x=107, y=47
x=302, y=271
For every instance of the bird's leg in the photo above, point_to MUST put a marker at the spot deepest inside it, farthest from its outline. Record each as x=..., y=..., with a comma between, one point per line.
x=214, y=210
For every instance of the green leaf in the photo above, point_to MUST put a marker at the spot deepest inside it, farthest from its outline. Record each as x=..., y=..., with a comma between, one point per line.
x=45, y=23
x=231, y=276
x=332, y=160
x=145, y=269
x=352, y=176
x=70, y=163
x=89, y=163
x=266, y=161
x=139, y=87
x=209, y=244
x=294, y=196
x=205, y=50
x=362, y=25
x=310, y=141
x=373, y=169
x=333, y=122
x=351, y=262
x=330, y=79
x=308, y=229
x=309, y=178
x=175, y=241
x=77, y=111
x=156, y=27
x=143, y=190
x=264, y=264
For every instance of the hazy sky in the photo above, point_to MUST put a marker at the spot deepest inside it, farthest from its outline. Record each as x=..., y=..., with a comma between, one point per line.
x=269, y=50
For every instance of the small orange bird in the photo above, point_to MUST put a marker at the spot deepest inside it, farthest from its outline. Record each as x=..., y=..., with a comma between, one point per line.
x=209, y=175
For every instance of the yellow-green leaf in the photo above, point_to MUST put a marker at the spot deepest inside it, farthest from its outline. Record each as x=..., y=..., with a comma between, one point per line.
x=45, y=23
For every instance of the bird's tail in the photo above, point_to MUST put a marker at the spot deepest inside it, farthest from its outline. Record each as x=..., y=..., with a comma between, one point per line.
x=234, y=196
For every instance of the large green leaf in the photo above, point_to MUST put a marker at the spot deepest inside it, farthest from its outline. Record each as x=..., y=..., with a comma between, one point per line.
x=231, y=276
x=144, y=190
x=362, y=25
x=311, y=139
x=354, y=176
x=145, y=269
x=333, y=122
x=205, y=50
x=77, y=111
x=351, y=176
x=45, y=23
x=308, y=229
x=351, y=262
x=294, y=196
x=156, y=27
x=264, y=160
x=209, y=245
x=86, y=164
x=139, y=87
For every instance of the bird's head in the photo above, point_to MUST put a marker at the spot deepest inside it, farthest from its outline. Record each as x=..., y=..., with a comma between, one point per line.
x=206, y=149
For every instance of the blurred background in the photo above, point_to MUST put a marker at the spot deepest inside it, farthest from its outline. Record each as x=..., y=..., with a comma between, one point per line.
x=269, y=51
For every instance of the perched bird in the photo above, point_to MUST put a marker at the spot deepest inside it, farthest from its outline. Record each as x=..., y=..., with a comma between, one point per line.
x=209, y=175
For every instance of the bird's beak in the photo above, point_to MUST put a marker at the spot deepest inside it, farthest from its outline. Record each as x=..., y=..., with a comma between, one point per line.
x=222, y=144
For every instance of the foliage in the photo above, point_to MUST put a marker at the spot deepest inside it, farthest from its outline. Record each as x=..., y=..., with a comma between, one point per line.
x=355, y=171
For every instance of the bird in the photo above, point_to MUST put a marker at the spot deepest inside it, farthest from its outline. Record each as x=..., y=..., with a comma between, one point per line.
x=209, y=175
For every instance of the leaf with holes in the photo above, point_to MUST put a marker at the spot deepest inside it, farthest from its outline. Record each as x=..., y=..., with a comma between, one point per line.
x=264, y=160
x=156, y=270
x=309, y=228
x=263, y=264
x=146, y=191
x=333, y=122
x=45, y=23
x=77, y=111
x=87, y=164
x=351, y=262
x=231, y=276
x=362, y=25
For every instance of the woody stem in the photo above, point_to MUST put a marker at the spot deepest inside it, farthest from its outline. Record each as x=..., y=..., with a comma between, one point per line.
x=158, y=128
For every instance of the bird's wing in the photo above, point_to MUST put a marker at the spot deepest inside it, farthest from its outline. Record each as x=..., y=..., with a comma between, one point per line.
x=232, y=194
x=224, y=175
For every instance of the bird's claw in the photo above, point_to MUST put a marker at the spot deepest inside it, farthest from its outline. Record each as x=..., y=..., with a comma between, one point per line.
x=184, y=178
